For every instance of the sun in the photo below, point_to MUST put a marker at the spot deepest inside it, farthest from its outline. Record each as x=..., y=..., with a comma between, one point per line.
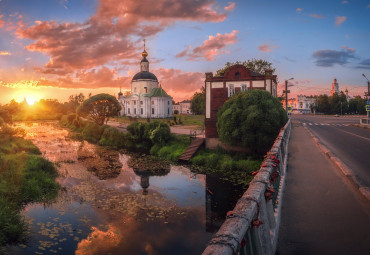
x=30, y=100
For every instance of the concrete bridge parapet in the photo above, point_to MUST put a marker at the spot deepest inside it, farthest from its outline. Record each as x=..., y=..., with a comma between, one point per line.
x=253, y=225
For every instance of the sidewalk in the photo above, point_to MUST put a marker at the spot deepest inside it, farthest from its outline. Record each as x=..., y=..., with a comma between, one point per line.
x=322, y=213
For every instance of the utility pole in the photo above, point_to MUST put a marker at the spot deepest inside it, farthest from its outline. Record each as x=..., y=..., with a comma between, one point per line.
x=286, y=94
x=368, y=94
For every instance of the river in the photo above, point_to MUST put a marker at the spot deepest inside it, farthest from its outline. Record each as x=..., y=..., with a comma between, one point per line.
x=130, y=212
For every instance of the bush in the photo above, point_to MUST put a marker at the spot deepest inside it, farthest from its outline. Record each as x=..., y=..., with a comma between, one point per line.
x=251, y=119
x=145, y=135
x=112, y=137
x=92, y=132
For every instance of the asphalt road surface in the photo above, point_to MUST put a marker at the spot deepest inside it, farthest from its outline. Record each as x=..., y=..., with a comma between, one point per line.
x=350, y=144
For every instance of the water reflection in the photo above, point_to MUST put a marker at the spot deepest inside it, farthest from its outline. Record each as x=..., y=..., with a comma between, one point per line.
x=133, y=211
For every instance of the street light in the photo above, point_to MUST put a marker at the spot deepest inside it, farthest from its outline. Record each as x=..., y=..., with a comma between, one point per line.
x=368, y=92
x=286, y=94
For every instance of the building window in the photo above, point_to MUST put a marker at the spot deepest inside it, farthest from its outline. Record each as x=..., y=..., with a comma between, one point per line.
x=300, y=105
x=128, y=102
x=146, y=89
x=135, y=90
x=152, y=101
x=141, y=102
x=237, y=75
x=231, y=91
x=168, y=111
x=152, y=110
x=168, y=102
x=244, y=87
x=128, y=110
x=134, y=102
x=141, y=111
x=135, y=111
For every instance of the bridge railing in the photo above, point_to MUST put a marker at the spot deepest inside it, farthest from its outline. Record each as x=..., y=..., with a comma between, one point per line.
x=253, y=225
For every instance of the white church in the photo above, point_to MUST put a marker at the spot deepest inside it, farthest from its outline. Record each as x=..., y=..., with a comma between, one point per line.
x=147, y=99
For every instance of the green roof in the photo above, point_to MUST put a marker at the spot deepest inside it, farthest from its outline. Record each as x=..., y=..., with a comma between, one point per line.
x=158, y=92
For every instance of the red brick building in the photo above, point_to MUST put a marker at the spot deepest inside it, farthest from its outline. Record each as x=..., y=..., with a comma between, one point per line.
x=220, y=88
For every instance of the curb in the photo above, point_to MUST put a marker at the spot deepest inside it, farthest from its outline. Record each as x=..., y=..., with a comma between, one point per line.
x=364, y=190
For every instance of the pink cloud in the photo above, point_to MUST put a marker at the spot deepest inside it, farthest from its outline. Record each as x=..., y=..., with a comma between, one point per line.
x=5, y=53
x=317, y=16
x=339, y=20
x=267, y=48
x=230, y=7
x=299, y=10
x=106, y=38
x=344, y=2
x=2, y=22
x=349, y=49
x=178, y=84
x=212, y=47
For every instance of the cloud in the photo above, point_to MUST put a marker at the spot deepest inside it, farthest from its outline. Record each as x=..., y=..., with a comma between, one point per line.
x=364, y=64
x=328, y=58
x=339, y=20
x=107, y=36
x=368, y=6
x=267, y=48
x=178, y=84
x=5, y=53
x=230, y=7
x=344, y=2
x=299, y=10
x=212, y=47
x=349, y=49
x=317, y=16
x=2, y=22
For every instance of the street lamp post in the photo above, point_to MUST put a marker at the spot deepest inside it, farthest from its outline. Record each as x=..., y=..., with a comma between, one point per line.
x=368, y=93
x=286, y=94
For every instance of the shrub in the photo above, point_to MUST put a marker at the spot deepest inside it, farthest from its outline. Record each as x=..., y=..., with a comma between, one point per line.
x=251, y=119
x=113, y=137
x=92, y=132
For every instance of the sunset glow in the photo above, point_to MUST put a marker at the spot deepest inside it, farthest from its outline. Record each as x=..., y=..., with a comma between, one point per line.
x=30, y=100
x=99, y=49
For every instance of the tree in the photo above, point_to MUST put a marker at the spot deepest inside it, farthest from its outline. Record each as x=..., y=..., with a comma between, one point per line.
x=251, y=119
x=99, y=108
x=256, y=65
x=197, y=102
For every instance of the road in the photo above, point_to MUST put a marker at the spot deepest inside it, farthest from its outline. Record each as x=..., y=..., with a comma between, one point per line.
x=350, y=144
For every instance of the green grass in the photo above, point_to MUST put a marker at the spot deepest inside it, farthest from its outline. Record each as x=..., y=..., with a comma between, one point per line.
x=173, y=149
x=236, y=168
x=25, y=177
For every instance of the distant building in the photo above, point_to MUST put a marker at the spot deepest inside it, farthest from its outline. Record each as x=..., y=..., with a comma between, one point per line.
x=176, y=107
x=182, y=107
x=301, y=103
x=148, y=99
x=334, y=87
x=220, y=88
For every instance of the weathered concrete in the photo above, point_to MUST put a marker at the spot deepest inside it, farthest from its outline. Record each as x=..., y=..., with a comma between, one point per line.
x=255, y=207
x=322, y=212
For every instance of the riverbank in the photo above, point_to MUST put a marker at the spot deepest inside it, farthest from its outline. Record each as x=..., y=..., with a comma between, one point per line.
x=25, y=177
x=154, y=138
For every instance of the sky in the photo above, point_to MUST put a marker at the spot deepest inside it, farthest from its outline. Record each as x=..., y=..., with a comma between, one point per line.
x=55, y=48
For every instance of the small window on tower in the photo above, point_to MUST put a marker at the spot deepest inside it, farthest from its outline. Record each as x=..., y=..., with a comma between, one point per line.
x=141, y=102
x=134, y=102
x=152, y=110
x=141, y=111
x=146, y=89
x=152, y=101
x=237, y=75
